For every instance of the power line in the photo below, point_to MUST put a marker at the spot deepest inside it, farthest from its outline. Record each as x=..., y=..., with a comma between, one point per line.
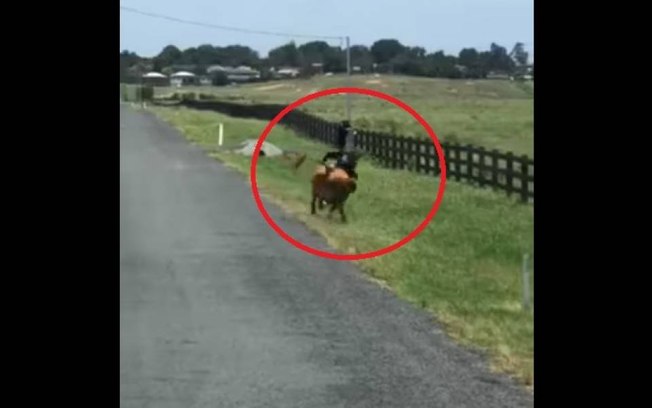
x=220, y=27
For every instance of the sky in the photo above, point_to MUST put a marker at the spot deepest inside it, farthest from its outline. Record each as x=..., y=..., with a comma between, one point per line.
x=447, y=25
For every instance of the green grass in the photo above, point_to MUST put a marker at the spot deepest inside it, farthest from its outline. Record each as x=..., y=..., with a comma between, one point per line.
x=464, y=267
x=492, y=113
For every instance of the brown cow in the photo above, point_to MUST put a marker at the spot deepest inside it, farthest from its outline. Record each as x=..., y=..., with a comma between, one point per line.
x=332, y=186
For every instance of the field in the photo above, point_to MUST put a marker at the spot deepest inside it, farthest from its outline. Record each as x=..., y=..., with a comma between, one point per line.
x=495, y=114
x=465, y=266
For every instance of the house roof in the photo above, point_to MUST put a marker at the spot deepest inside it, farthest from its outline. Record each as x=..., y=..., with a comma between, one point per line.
x=287, y=70
x=242, y=69
x=245, y=69
x=182, y=74
x=212, y=68
x=154, y=75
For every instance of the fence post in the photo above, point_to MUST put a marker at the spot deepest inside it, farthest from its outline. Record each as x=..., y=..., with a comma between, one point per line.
x=220, y=138
x=426, y=156
x=401, y=152
x=435, y=159
x=494, y=168
x=394, y=151
x=531, y=194
x=364, y=141
x=524, y=179
x=469, y=162
x=386, y=153
x=481, y=166
x=447, y=157
x=458, y=161
x=417, y=155
x=510, y=174
x=322, y=132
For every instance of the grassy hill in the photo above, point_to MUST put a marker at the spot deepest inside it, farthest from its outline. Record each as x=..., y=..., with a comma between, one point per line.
x=492, y=113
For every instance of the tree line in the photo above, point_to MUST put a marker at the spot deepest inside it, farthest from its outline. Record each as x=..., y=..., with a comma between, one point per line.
x=384, y=56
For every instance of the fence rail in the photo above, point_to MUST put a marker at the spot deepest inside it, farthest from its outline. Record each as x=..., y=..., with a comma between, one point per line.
x=467, y=163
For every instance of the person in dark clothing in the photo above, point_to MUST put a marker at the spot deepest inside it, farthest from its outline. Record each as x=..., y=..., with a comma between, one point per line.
x=342, y=133
x=346, y=160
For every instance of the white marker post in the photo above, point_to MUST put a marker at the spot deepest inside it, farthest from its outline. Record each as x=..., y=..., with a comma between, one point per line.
x=220, y=138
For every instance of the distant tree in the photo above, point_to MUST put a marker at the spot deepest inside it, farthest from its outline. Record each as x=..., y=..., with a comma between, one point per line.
x=235, y=55
x=313, y=51
x=362, y=57
x=285, y=55
x=157, y=65
x=410, y=61
x=471, y=60
x=499, y=59
x=440, y=65
x=384, y=50
x=416, y=52
x=206, y=55
x=385, y=55
x=484, y=63
x=519, y=54
x=169, y=55
x=469, y=57
x=335, y=60
x=127, y=60
x=189, y=56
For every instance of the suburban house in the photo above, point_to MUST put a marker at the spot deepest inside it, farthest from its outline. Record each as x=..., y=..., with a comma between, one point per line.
x=242, y=73
x=136, y=71
x=155, y=79
x=287, y=72
x=318, y=67
x=183, y=78
x=498, y=75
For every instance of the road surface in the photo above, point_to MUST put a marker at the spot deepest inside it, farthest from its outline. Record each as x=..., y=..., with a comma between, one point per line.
x=216, y=310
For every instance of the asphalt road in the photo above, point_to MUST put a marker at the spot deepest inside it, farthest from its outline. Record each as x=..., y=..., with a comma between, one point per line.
x=216, y=310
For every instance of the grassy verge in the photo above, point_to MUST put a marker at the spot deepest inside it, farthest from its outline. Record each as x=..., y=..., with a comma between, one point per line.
x=464, y=267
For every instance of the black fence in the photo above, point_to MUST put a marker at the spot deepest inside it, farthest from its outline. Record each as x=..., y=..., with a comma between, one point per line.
x=471, y=164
